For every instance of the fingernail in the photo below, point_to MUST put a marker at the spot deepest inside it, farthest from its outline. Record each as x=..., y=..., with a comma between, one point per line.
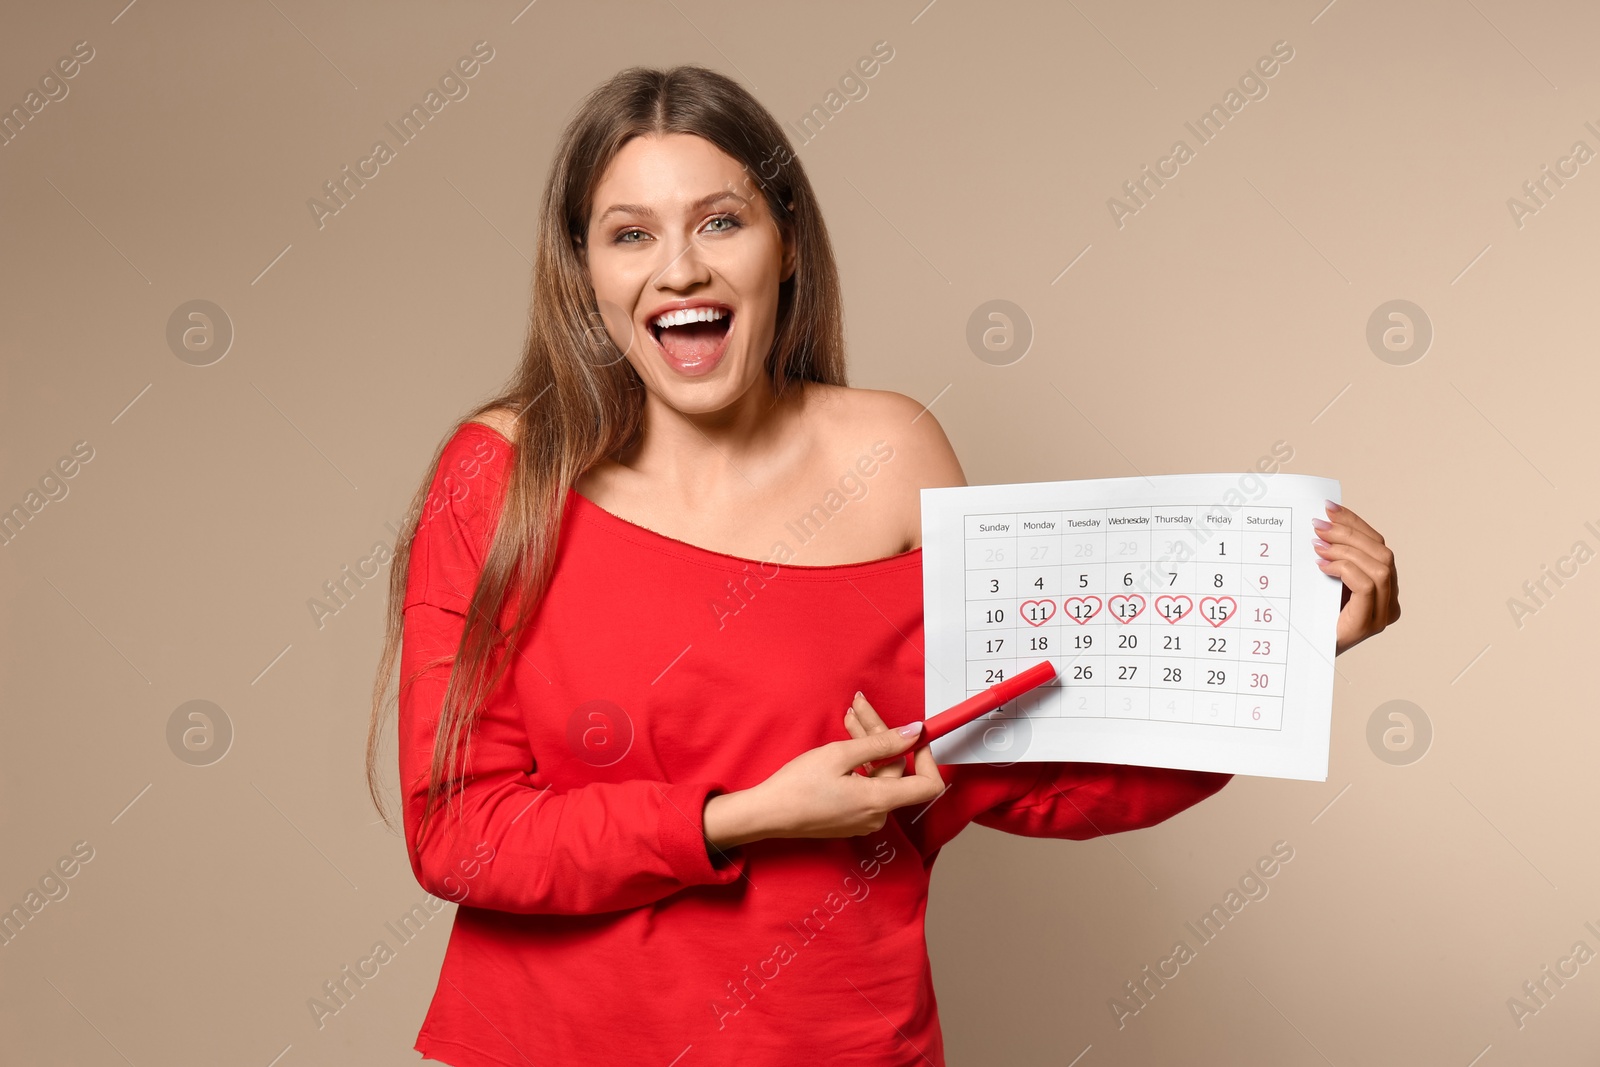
x=858, y=694
x=910, y=729
x=1321, y=525
x=1320, y=543
x=1331, y=505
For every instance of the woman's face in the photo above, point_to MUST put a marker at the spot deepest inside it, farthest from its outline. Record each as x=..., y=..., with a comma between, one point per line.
x=678, y=227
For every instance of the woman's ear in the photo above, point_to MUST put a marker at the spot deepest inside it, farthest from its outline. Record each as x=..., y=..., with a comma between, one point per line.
x=787, y=229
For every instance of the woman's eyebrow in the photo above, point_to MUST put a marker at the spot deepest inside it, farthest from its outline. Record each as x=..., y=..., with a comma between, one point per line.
x=639, y=209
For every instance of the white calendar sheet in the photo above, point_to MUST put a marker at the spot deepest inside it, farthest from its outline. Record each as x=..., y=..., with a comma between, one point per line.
x=1185, y=615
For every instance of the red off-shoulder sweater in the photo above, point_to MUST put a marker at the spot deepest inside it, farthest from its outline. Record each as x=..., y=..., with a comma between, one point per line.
x=592, y=925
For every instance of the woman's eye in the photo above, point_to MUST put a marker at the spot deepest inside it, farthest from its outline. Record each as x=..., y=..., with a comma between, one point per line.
x=719, y=224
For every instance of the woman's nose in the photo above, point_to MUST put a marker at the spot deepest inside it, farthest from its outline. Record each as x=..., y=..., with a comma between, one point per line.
x=685, y=266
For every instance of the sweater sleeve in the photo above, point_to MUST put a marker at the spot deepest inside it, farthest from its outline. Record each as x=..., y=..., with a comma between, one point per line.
x=1067, y=800
x=507, y=841
x=1082, y=800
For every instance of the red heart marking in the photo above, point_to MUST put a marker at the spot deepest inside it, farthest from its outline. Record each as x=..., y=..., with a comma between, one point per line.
x=1049, y=610
x=1173, y=608
x=1135, y=607
x=1231, y=607
x=1091, y=608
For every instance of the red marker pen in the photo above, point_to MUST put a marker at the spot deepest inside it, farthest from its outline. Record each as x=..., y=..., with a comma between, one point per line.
x=959, y=715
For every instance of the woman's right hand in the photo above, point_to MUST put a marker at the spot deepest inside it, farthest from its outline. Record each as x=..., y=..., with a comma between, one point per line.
x=819, y=793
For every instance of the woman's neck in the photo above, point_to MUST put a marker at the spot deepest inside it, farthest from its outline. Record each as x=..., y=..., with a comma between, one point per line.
x=687, y=454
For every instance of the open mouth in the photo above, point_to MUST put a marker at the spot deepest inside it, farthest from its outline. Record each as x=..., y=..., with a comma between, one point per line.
x=694, y=337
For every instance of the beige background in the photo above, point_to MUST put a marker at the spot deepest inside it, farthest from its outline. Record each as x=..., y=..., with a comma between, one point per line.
x=1228, y=314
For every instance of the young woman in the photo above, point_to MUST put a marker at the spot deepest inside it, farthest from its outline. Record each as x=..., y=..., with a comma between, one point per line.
x=636, y=604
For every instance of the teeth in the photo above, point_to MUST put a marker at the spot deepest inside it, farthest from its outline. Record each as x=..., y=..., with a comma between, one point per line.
x=678, y=318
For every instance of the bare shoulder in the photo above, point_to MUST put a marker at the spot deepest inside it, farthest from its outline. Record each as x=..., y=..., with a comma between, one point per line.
x=922, y=453
x=502, y=420
x=898, y=439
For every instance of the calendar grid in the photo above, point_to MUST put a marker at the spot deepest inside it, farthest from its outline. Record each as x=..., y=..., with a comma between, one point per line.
x=1171, y=613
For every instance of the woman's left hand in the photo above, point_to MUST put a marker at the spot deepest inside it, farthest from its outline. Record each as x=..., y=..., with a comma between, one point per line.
x=1352, y=551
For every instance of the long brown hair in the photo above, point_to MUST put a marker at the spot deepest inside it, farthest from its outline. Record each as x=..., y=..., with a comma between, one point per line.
x=576, y=399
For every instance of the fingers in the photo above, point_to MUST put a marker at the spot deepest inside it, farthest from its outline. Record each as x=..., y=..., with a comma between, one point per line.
x=868, y=720
x=1373, y=558
x=925, y=781
x=1355, y=622
x=1341, y=515
x=1348, y=528
x=1352, y=551
x=871, y=748
x=1364, y=566
x=867, y=714
x=853, y=726
x=927, y=768
x=1368, y=541
x=920, y=788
